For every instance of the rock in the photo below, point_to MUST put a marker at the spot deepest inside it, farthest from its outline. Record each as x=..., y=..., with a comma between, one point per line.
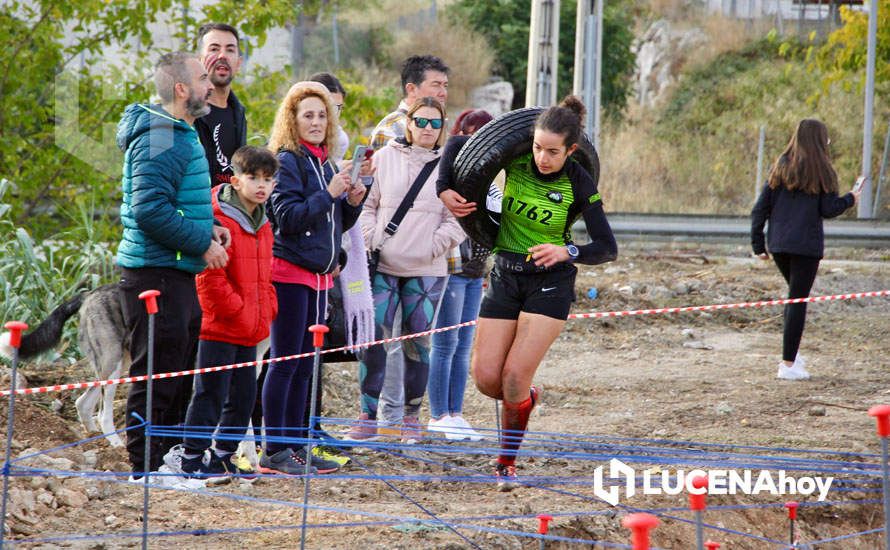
x=626, y=290
x=697, y=344
x=92, y=492
x=613, y=270
x=723, y=408
x=22, y=499
x=110, y=520
x=681, y=288
x=688, y=333
x=47, y=499
x=496, y=97
x=91, y=459
x=56, y=405
x=53, y=484
x=59, y=464
x=659, y=293
x=661, y=52
x=24, y=517
x=71, y=498
x=20, y=528
x=816, y=410
x=38, y=483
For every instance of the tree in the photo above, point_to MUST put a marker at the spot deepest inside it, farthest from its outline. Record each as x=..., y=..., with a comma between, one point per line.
x=59, y=106
x=844, y=54
x=505, y=23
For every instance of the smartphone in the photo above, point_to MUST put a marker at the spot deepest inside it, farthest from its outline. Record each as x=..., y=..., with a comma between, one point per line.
x=358, y=156
x=860, y=181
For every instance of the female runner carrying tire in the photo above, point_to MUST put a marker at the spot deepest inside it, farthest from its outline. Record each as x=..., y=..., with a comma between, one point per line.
x=533, y=282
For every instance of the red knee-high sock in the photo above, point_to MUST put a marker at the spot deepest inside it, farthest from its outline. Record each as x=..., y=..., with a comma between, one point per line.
x=514, y=421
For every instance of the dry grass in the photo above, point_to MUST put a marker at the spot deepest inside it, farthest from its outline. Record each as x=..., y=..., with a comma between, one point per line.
x=467, y=54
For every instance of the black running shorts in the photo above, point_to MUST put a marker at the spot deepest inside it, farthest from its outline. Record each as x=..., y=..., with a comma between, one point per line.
x=549, y=293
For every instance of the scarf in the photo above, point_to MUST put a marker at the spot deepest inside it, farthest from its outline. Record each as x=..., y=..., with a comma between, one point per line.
x=358, y=302
x=318, y=151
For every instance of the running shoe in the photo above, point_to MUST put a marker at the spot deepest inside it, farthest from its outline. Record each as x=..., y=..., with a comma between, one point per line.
x=444, y=426
x=166, y=477
x=191, y=467
x=364, y=429
x=333, y=454
x=231, y=465
x=284, y=462
x=320, y=465
x=462, y=429
x=506, y=476
x=795, y=372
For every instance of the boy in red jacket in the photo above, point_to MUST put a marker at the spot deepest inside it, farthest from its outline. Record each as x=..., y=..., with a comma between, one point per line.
x=238, y=304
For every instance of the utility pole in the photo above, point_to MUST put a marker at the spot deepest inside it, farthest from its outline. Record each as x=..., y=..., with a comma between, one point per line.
x=543, y=51
x=865, y=207
x=588, y=63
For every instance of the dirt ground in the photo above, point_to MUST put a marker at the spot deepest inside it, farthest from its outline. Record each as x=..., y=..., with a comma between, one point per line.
x=707, y=378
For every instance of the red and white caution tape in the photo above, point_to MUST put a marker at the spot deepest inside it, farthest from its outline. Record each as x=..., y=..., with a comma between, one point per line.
x=592, y=315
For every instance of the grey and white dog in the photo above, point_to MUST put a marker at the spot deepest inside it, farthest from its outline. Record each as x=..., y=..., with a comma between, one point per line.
x=102, y=338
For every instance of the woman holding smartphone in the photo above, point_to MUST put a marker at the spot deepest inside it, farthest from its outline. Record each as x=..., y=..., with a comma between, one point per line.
x=310, y=207
x=802, y=190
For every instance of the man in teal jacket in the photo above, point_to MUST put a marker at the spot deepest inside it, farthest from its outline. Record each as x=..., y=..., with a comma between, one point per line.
x=169, y=236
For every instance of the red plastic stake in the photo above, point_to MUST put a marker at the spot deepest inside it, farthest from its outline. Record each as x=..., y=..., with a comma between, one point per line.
x=318, y=332
x=544, y=523
x=16, y=328
x=640, y=524
x=150, y=297
x=882, y=415
x=792, y=517
x=697, y=502
x=711, y=545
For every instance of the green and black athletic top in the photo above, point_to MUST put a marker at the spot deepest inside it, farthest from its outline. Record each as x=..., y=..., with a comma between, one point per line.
x=541, y=208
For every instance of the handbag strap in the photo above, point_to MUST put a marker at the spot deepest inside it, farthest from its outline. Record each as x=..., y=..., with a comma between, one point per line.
x=408, y=201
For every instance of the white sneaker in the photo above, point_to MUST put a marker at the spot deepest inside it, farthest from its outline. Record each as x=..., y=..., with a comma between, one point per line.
x=800, y=360
x=795, y=372
x=169, y=479
x=442, y=425
x=463, y=428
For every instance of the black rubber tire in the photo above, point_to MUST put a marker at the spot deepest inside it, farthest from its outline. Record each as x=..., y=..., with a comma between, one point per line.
x=489, y=151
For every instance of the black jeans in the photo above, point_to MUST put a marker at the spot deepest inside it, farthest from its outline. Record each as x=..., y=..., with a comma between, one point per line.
x=799, y=273
x=177, y=325
x=223, y=398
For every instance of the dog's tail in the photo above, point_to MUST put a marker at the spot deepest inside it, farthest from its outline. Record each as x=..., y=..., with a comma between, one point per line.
x=47, y=334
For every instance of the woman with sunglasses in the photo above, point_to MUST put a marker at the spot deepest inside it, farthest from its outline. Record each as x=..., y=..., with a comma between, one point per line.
x=533, y=282
x=413, y=262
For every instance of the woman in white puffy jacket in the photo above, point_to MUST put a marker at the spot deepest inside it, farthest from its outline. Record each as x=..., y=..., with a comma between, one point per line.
x=413, y=266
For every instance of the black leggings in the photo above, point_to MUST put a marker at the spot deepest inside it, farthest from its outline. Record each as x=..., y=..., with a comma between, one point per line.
x=799, y=273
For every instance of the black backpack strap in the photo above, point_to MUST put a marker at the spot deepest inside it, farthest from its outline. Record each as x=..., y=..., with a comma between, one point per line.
x=408, y=201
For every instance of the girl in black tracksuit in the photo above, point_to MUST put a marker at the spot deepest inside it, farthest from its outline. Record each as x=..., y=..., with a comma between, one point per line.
x=802, y=190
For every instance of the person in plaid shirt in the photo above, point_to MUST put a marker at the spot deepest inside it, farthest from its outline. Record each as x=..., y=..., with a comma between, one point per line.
x=422, y=76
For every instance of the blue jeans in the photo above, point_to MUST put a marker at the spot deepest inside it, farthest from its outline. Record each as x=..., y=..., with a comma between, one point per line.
x=450, y=355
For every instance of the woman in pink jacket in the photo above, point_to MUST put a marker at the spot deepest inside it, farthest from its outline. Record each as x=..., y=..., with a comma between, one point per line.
x=413, y=262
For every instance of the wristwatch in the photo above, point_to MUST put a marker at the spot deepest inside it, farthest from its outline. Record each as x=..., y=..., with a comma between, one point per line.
x=573, y=252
